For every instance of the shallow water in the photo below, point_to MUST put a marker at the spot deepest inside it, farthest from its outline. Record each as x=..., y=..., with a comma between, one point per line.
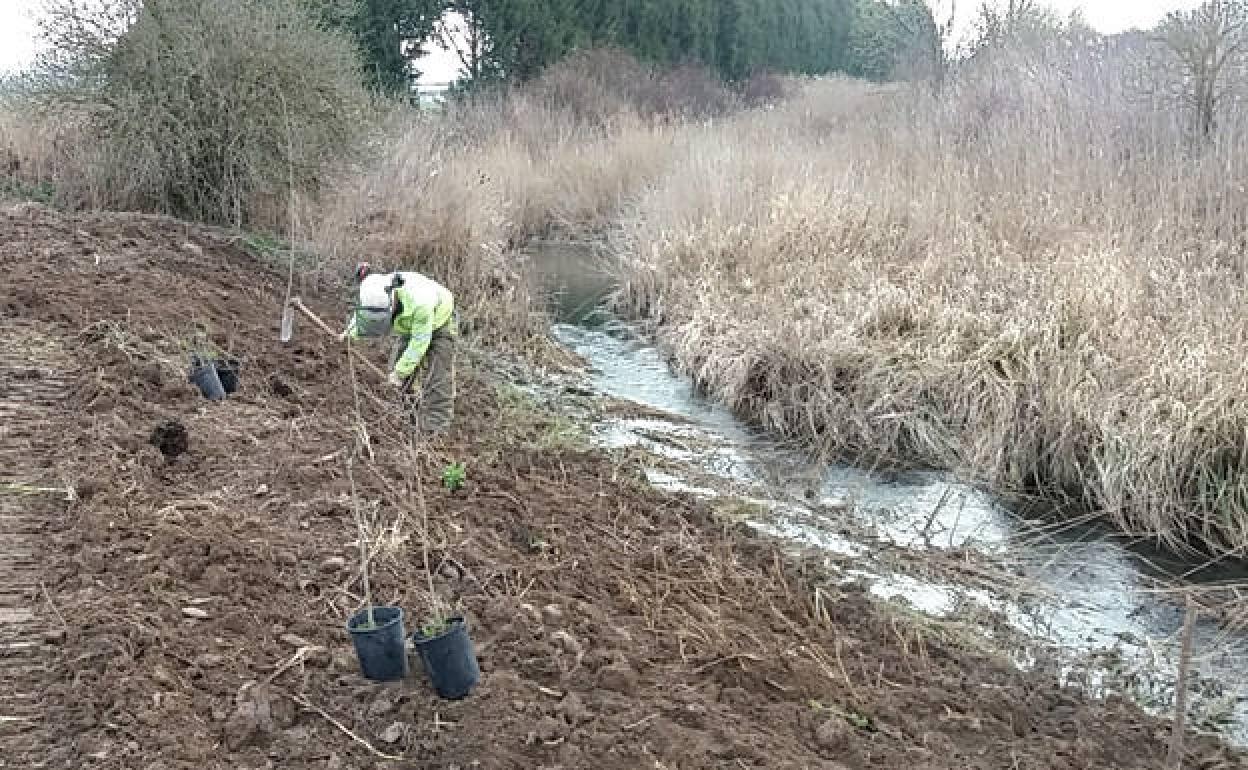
x=1096, y=591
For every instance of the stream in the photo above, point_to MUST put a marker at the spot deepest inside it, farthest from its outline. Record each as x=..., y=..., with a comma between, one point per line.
x=1083, y=595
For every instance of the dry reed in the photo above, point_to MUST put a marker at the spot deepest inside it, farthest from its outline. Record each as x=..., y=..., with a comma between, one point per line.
x=1034, y=279
x=460, y=195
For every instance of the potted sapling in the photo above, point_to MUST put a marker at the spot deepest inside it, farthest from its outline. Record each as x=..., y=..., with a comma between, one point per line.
x=446, y=652
x=229, y=370
x=203, y=369
x=442, y=640
x=376, y=632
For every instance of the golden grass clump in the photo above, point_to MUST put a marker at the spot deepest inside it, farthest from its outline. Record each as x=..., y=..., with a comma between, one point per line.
x=1032, y=279
x=459, y=195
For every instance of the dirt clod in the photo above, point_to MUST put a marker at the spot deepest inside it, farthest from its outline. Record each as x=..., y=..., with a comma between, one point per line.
x=619, y=677
x=568, y=643
x=531, y=614
x=391, y=734
x=574, y=709
x=383, y=704
x=552, y=614
x=551, y=729
x=210, y=660
x=252, y=720
x=834, y=734
x=280, y=387
x=171, y=438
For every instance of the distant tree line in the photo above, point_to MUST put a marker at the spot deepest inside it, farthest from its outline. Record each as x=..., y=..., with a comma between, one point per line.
x=517, y=39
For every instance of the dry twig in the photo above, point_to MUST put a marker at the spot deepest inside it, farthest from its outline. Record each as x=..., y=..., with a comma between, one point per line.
x=307, y=704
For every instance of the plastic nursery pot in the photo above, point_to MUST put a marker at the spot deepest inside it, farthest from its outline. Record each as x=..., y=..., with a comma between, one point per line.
x=204, y=375
x=381, y=648
x=449, y=659
x=227, y=371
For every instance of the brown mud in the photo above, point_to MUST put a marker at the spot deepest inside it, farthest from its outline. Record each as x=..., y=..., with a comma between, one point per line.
x=206, y=588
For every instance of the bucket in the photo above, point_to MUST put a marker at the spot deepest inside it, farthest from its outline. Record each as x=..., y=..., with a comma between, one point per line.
x=372, y=321
x=381, y=650
x=227, y=372
x=204, y=375
x=449, y=660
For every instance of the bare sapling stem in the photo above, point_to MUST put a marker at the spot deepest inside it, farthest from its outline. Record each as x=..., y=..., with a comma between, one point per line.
x=362, y=535
x=424, y=533
x=363, y=540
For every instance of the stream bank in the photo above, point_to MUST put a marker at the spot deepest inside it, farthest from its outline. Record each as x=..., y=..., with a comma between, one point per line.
x=1106, y=611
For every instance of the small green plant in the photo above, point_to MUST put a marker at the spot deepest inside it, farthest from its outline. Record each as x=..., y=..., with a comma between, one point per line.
x=852, y=716
x=19, y=189
x=437, y=620
x=454, y=476
x=435, y=626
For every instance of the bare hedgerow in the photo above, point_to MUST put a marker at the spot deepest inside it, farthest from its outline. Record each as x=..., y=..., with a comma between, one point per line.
x=206, y=109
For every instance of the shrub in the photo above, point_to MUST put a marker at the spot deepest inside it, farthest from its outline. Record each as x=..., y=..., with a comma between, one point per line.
x=596, y=86
x=599, y=86
x=763, y=89
x=205, y=109
x=691, y=91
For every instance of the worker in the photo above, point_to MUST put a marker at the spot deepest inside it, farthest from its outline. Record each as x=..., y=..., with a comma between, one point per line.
x=420, y=312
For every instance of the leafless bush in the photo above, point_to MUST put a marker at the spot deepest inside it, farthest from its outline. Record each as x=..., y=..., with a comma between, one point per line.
x=690, y=91
x=596, y=86
x=208, y=110
x=763, y=89
x=599, y=86
x=1208, y=59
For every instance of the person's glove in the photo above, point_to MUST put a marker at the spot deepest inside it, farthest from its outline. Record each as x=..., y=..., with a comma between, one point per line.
x=343, y=337
x=395, y=381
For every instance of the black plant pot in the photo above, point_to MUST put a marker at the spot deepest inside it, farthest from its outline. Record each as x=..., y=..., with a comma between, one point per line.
x=228, y=371
x=449, y=660
x=204, y=375
x=381, y=649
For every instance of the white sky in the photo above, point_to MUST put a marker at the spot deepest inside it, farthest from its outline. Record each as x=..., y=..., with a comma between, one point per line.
x=17, y=27
x=1105, y=16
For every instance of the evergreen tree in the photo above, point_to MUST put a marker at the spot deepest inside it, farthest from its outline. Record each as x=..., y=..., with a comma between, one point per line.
x=517, y=39
x=386, y=33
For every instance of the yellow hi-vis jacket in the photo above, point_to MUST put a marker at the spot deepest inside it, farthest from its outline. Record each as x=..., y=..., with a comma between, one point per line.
x=424, y=306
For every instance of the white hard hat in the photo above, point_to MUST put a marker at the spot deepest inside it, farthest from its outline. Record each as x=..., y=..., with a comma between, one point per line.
x=373, y=291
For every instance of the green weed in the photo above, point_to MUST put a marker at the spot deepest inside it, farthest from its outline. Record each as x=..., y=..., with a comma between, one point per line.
x=454, y=476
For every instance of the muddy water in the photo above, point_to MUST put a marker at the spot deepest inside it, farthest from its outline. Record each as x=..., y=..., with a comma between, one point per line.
x=1089, y=597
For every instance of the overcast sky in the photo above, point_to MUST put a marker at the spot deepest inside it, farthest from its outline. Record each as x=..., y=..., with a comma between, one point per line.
x=17, y=27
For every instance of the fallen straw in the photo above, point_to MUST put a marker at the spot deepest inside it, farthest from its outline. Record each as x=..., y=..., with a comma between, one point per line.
x=307, y=704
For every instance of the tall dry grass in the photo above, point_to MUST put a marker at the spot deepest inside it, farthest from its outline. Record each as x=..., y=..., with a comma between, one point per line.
x=37, y=154
x=1035, y=279
x=460, y=194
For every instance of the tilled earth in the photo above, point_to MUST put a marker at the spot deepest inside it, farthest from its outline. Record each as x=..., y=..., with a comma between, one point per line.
x=196, y=597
